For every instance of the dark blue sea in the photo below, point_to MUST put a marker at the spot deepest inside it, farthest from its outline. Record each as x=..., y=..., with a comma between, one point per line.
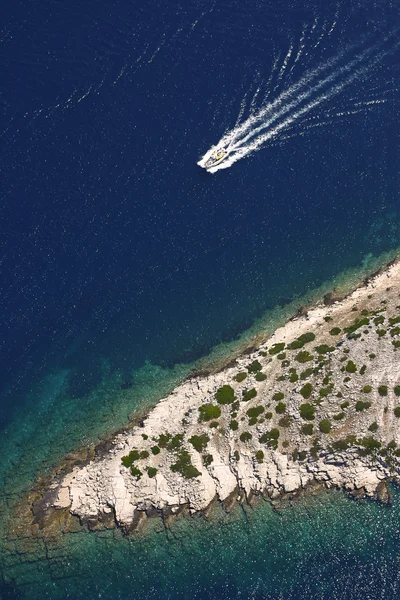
x=124, y=263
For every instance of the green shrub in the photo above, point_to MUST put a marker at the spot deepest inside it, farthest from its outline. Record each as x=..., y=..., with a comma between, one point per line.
x=260, y=376
x=128, y=461
x=351, y=367
x=145, y=436
x=397, y=412
x=360, y=405
x=155, y=450
x=307, y=373
x=304, y=356
x=236, y=455
x=281, y=356
x=301, y=340
x=327, y=318
x=395, y=331
x=363, y=369
x=372, y=356
x=293, y=377
x=307, y=429
x=199, y=442
x=394, y=320
x=396, y=343
x=280, y=408
x=164, y=439
x=285, y=421
x=324, y=392
x=268, y=416
x=307, y=412
x=209, y=411
x=214, y=425
x=259, y=456
x=184, y=465
x=245, y=436
x=151, y=472
x=306, y=391
x=367, y=389
x=373, y=427
x=135, y=472
x=144, y=454
x=278, y=396
x=255, y=411
x=239, y=377
x=381, y=332
x=302, y=455
x=324, y=349
x=344, y=443
x=339, y=416
x=369, y=444
x=207, y=459
x=335, y=331
x=379, y=320
x=234, y=425
x=252, y=421
x=249, y=394
x=270, y=437
x=281, y=378
x=254, y=367
x=396, y=390
x=356, y=325
x=383, y=390
x=276, y=349
x=325, y=426
x=225, y=395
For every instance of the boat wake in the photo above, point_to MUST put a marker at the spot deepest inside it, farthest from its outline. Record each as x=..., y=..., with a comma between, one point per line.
x=275, y=119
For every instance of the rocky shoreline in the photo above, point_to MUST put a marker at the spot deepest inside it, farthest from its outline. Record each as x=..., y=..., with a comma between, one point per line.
x=317, y=403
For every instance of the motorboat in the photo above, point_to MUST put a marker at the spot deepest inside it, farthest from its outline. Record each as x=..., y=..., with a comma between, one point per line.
x=216, y=157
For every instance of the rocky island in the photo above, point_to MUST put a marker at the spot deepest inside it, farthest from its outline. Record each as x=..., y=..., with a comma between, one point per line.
x=319, y=401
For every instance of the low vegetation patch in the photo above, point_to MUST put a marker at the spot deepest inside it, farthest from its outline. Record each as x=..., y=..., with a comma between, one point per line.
x=351, y=367
x=304, y=356
x=151, y=472
x=307, y=429
x=335, y=331
x=245, y=436
x=280, y=408
x=325, y=426
x=225, y=395
x=207, y=459
x=360, y=405
x=324, y=349
x=255, y=411
x=249, y=394
x=276, y=349
x=199, y=442
x=260, y=456
x=383, y=390
x=128, y=460
x=301, y=340
x=209, y=412
x=307, y=411
x=184, y=466
x=260, y=376
x=278, y=396
x=306, y=390
x=239, y=377
x=254, y=367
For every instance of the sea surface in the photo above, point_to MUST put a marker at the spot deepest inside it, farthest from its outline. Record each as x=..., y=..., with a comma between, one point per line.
x=124, y=265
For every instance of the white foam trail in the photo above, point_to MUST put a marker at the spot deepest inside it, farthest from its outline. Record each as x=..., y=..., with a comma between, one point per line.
x=291, y=106
x=300, y=51
x=305, y=95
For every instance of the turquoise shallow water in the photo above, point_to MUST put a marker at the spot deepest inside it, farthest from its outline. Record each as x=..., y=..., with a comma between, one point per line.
x=324, y=546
